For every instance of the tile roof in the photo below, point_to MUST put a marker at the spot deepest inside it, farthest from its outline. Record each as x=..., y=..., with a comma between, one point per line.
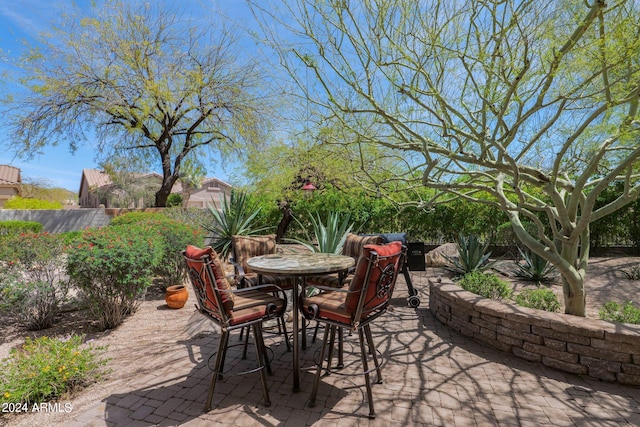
x=96, y=178
x=9, y=175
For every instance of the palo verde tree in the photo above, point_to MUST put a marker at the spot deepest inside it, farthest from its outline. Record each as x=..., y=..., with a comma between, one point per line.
x=533, y=103
x=149, y=85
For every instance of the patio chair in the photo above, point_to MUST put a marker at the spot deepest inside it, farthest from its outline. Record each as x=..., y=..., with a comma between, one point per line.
x=245, y=247
x=232, y=309
x=353, y=247
x=355, y=307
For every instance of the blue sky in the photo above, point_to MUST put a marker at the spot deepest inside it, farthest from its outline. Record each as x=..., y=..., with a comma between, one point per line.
x=23, y=20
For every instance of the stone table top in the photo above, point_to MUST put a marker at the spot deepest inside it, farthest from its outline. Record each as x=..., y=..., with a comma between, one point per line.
x=300, y=264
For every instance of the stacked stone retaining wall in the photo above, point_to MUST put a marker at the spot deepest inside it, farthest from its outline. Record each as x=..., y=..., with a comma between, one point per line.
x=604, y=350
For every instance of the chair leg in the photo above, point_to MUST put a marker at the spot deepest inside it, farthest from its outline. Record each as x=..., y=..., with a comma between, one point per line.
x=315, y=333
x=367, y=380
x=263, y=350
x=372, y=350
x=260, y=357
x=217, y=369
x=340, y=348
x=316, y=382
x=220, y=369
x=246, y=344
x=332, y=344
x=284, y=329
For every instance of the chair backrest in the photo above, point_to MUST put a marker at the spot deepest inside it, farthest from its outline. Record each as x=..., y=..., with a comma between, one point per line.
x=354, y=244
x=245, y=247
x=209, y=282
x=374, y=280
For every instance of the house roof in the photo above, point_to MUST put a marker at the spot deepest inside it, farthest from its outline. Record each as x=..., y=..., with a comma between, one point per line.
x=9, y=175
x=95, y=178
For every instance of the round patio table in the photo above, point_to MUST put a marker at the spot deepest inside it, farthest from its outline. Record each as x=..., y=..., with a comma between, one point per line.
x=300, y=265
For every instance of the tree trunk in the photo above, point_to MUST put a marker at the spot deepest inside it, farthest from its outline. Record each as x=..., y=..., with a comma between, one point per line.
x=573, y=275
x=575, y=302
x=186, y=194
x=161, y=197
x=287, y=216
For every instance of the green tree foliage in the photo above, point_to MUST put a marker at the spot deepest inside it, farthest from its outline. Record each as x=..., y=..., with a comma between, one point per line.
x=515, y=99
x=151, y=87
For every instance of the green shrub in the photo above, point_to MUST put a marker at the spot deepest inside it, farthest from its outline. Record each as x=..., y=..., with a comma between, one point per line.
x=614, y=312
x=540, y=299
x=136, y=218
x=173, y=200
x=12, y=227
x=33, y=281
x=47, y=368
x=113, y=267
x=18, y=202
x=472, y=256
x=487, y=285
x=174, y=236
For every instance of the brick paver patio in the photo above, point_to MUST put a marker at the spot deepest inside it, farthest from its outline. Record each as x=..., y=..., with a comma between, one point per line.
x=432, y=377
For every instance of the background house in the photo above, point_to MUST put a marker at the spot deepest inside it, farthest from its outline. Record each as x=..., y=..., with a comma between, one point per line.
x=212, y=191
x=138, y=190
x=10, y=183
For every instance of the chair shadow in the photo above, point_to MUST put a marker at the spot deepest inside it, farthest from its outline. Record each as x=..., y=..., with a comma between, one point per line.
x=175, y=394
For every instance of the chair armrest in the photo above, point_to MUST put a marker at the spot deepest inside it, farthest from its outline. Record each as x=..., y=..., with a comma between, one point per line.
x=240, y=274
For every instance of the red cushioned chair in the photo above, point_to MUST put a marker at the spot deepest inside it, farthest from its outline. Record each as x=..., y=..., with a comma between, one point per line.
x=246, y=247
x=232, y=309
x=356, y=305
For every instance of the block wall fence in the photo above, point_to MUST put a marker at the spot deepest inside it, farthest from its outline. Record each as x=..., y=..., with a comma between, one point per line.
x=61, y=220
x=603, y=350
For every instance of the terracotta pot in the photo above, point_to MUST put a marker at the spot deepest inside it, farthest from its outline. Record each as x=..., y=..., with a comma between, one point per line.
x=176, y=296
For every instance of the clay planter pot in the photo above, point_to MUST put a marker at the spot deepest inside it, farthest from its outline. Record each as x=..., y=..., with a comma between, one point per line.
x=176, y=296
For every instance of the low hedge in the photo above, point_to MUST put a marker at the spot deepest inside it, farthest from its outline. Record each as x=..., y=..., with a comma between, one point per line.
x=16, y=226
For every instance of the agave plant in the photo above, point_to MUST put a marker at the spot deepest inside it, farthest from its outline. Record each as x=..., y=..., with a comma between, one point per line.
x=235, y=217
x=328, y=237
x=472, y=256
x=535, y=268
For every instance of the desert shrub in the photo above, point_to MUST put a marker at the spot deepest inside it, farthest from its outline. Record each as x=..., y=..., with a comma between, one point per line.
x=473, y=255
x=33, y=279
x=15, y=226
x=113, y=267
x=18, y=202
x=614, y=312
x=534, y=268
x=47, y=368
x=540, y=299
x=174, y=236
x=632, y=273
x=487, y=285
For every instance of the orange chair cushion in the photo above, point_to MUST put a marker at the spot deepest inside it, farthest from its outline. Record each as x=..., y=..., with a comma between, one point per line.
x=222, y=284
x=392, y=250
x=331, y=305
x=252, y=305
